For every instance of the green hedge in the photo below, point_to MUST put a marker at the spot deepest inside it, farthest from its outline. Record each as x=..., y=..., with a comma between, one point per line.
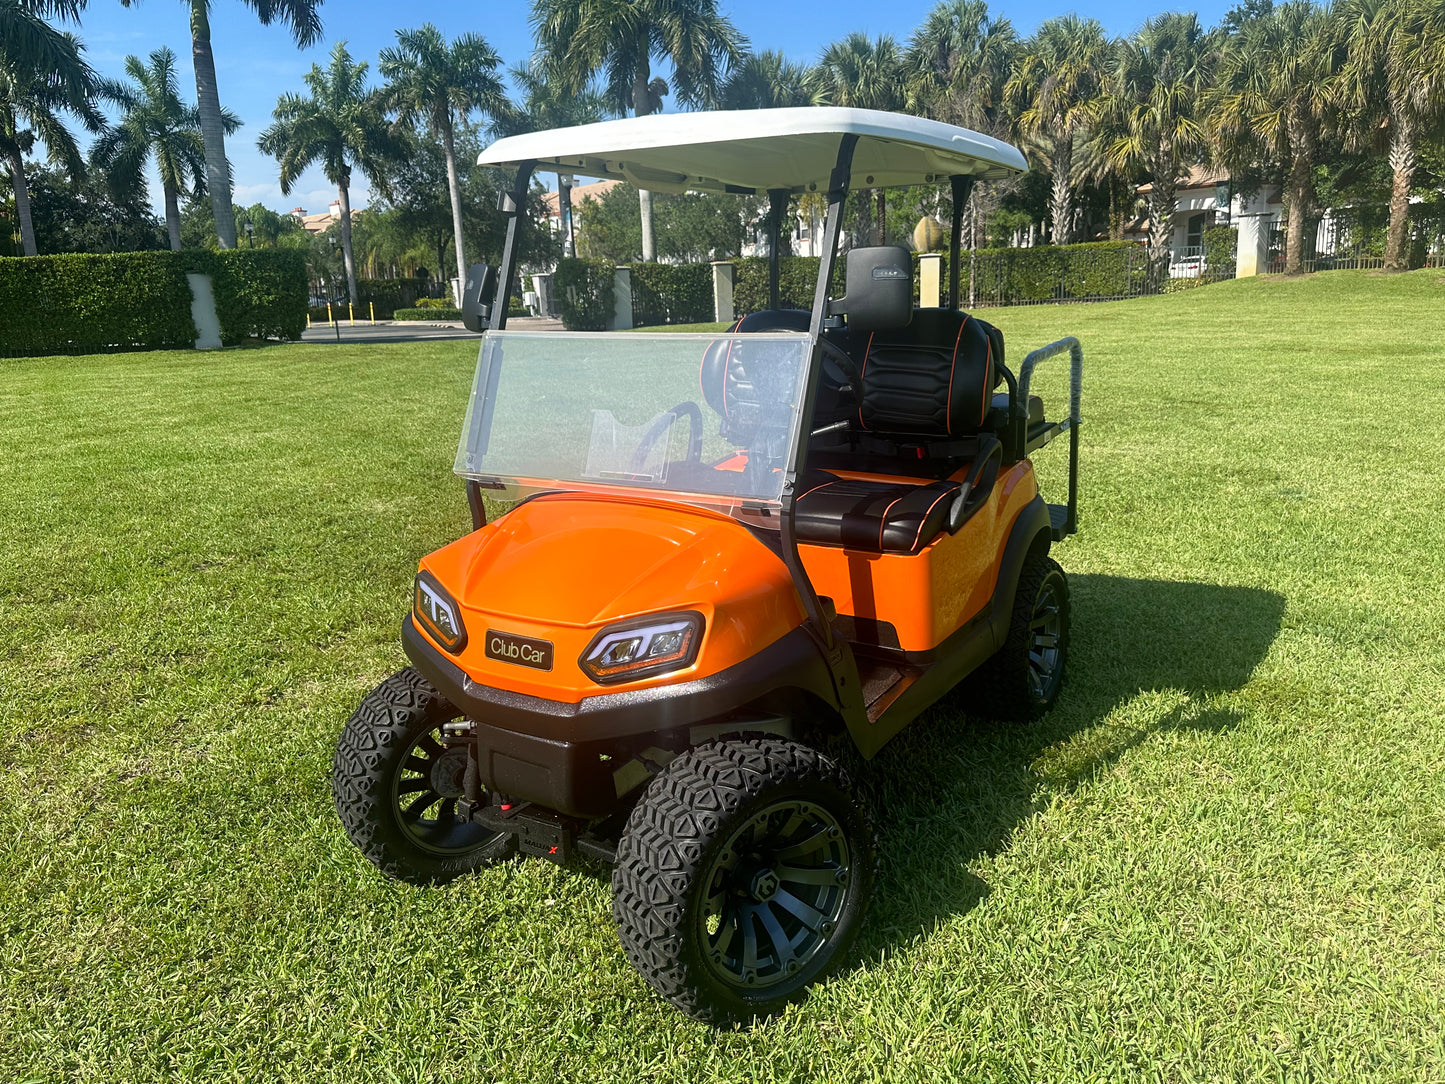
x=431, y=312
x=260, y=293
x=671, y=294
x=585, y=293
x=797, y=278
x=1221, y=246
x=82, y=304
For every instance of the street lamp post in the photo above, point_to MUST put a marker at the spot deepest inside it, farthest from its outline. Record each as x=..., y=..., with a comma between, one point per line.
x=250, y=231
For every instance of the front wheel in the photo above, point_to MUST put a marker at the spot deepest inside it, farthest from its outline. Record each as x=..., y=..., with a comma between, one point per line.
x=743, y=877
x=397, y=783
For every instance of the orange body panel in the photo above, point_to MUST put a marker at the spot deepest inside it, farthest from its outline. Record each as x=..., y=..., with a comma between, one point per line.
x=928, y=595
x=562, y=566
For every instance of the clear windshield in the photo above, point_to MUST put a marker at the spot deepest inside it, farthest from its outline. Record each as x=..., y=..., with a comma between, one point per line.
x=711, y=419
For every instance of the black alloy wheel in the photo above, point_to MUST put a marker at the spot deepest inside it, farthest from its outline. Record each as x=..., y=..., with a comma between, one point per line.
x=743, y=877
x=1023, y=678
x=397, y=785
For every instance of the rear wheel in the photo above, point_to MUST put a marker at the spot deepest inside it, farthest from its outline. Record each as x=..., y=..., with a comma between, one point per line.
x=1022, y=680
x=743, y=877
x=397, y=785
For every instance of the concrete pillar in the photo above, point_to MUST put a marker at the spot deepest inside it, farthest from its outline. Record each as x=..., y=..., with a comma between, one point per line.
x=722, y=291
x=1252, y=256
x=203, y=312
x=930, y=280
x=621, y=301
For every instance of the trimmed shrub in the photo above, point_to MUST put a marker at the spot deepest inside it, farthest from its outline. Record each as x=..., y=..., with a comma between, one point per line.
x=671, y=294
x=585, y=293
x=797, y=278
x=81, y=304
x=431, y=312
x=260, y=293
x=1221, y=247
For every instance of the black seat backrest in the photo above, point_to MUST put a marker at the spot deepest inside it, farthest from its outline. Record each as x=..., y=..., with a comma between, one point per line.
x=931, y=380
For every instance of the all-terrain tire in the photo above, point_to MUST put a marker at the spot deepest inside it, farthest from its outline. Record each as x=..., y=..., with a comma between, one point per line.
x=713, y=826
x=375, y=769
x=1023, y=678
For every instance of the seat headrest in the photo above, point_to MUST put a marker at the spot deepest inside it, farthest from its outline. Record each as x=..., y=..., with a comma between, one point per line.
x=931, y=380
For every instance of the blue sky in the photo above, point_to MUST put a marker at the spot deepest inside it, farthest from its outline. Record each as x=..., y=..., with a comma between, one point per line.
x=256, y=64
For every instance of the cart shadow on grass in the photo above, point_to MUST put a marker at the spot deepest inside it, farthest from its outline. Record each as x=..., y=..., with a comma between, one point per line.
x=954, y=788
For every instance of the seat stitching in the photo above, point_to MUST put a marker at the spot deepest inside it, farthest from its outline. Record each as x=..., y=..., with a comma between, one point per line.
x=883, y=526
x=987, y=380
x=931, y=507
x=861, y=375
x=815, y=489
x=952, y=365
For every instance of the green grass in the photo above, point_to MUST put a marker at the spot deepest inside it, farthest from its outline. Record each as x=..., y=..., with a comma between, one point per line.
x=704, y=327
x=1222, y=858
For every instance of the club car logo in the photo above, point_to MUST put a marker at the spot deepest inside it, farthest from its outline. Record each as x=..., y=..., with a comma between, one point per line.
x=893, y=273
x=520, y=650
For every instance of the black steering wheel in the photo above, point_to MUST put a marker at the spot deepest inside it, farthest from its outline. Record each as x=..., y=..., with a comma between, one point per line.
x=663, y=424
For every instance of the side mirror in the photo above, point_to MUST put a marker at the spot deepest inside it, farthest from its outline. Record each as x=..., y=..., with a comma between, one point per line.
x=477, y=296
x=880, y=289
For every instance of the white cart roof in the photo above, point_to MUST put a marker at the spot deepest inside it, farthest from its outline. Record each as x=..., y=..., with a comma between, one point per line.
x=754, y=150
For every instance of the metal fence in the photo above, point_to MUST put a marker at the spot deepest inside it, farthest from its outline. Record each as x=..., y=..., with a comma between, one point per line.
x=1354, y=238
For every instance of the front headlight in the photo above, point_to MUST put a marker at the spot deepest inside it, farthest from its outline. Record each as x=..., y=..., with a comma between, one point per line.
x=642, y=648
x=438, y=613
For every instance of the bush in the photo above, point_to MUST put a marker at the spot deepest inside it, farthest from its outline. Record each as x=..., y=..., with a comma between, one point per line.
x=585, y=293
x=671, y=294
x=388, y=295
x=1221, y=246
x=431, y=312
x=260, y=293
x=80, y=304
x=797, y=278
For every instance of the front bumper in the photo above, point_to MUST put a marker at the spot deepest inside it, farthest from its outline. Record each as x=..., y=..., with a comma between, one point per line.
x=579, y=759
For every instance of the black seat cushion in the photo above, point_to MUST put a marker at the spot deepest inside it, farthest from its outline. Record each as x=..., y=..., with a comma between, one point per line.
x=1036, y=406
x=930, y=380
x=876, y=517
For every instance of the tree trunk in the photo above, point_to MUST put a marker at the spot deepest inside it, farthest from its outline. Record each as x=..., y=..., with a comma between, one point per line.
x=1300, y=191
x=208, y=103
x=881, y=199
x=173, y=216
x=344, y=191
x=1162, y=206
x=1402, y=164
x=1061, y=204
x=641, y=107
x=22, y=203
x=449, y=146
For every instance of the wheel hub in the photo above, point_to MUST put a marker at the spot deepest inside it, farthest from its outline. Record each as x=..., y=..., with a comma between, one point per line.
x=448, y=772
x=764, y=885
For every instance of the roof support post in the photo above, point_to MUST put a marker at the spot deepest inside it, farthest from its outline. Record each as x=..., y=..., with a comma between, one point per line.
x=962, y=188
x=841, y=663
x=777, y=207
x=514, y=205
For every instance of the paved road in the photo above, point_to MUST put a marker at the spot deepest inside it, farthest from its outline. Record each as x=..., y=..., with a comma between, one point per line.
x=410, y=331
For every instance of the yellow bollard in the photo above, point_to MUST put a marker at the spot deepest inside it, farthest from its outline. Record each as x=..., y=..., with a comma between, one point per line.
x=330, y=319
x=372, y=304
x=352, y=310
x=308, y=316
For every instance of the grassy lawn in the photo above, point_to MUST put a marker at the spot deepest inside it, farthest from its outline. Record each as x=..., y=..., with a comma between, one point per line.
x=1221, y=858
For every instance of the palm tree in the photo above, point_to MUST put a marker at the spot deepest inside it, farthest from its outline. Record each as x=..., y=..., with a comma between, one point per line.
x=545, y=105
x=1270, y=102
x=27, y=41
x=1150, y=118
x=341, y=126
x=1391, y=87
x=429, y=80
x=1056, y=86
x=620, y=39
x=31, y=106
x=155, y=122
x=958, y=64
x=862, y=74
x=768, y=80
x=305, y=25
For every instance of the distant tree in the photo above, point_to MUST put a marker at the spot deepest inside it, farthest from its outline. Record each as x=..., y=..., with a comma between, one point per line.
x=436, y=83
x=545, y=105
x=304, y=21
x=1150, y=118
x=620, y=39
x=33, y=104
x=1270, y=102
x=1055, y=88
x=768, y=80
x=958, y=64
x=154, y=124
x=863, y=74
x=341, y=127
x=1392, y=90
x=84, y=216
x=691, y=227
